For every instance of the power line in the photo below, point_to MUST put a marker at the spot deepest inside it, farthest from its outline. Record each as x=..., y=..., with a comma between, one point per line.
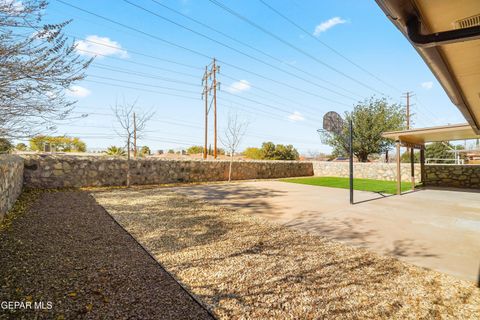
x=137, y=63
x=141, y=89
x=326, y=45
x=107, y=67
x=246, y=44
x=127, y=71
x=140, y=74
x=131, y=72
x=137, y=53
x=255, y=135
x=187, y=91
x=240, y=51
x=144, y=84
x=271, y=34
x=186, y=48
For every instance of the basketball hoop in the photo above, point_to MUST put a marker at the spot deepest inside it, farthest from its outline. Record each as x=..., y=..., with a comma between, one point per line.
x=332, y=122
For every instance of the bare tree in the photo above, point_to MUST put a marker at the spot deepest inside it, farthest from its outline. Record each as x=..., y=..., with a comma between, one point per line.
x=37, y=65
x=133, y=125
x=233, y=135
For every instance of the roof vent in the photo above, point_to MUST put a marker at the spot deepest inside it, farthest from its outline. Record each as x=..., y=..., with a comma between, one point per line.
x=468, y=22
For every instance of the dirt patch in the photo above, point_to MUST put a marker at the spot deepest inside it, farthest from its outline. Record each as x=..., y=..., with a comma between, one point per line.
x=66, y=250
x=244, y=267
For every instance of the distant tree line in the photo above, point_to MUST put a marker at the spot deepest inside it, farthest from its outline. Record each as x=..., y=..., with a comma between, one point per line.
x=60, y=143
x=271, y=151
x=199, y=150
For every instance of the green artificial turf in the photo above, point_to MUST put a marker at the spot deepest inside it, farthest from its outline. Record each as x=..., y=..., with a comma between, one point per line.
x=358, y=184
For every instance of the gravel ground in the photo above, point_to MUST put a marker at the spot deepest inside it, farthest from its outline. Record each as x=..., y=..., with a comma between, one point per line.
x=245, y=268
x=66, y=249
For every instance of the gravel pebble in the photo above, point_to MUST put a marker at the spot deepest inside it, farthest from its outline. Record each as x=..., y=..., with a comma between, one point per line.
x=67, y=250
x=243, y=267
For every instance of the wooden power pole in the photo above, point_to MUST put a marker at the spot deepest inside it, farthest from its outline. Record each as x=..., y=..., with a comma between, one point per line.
x=134, y=136
x=207, y=89
x=214, y=71
x=408, y=110
x=410, y=151
x=205, y=97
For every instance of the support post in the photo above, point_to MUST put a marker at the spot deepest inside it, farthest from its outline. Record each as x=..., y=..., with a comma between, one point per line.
x=412, y=166
x=422, y=165
x=399, y=170
x=350, y=125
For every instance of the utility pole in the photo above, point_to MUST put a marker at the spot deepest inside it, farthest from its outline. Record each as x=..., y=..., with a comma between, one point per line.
x=408, y=110
x=207, y=89
x=408, y=95
x=205, y=97
x=214, y=71
x=134, y=136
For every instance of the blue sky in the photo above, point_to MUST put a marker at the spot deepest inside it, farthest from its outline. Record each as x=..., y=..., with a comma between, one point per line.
x=288, y=112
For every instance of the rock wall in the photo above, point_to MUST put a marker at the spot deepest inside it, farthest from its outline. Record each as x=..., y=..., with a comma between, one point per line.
x=369, y=170
x=461, y=176
x=11, y=181
x=72, y=171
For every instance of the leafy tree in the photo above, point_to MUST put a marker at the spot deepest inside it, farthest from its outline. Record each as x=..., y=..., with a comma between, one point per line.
x=195, y=150
x=171, y=151
x=61, y=143
x=21, y=146
x=287, y=152
x=439, y=150
x=371, y=118
x=144, y=151
x=116, y=151
x=268, y=150
x=35, y=69
x=253, y=153
x=5, y=145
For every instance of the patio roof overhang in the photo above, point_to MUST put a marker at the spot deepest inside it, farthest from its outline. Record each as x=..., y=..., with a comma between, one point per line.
x=446, y=35
x=418, y=137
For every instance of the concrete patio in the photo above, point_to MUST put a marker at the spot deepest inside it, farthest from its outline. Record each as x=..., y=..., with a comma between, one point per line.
x=437, y=229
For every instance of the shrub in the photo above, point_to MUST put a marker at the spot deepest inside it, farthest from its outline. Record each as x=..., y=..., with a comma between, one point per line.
x=115, y=151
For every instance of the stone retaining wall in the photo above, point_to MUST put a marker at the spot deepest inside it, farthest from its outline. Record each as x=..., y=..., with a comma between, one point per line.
x=69, y=171
x=11, y=181
x=369, y=170
x=461, y=176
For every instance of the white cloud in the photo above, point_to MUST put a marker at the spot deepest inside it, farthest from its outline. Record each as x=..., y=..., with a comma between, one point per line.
x=78, y=92
x=296, y=116
x=427, y=85
x=100, y=46
x=239, y=86
x=325, y=25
